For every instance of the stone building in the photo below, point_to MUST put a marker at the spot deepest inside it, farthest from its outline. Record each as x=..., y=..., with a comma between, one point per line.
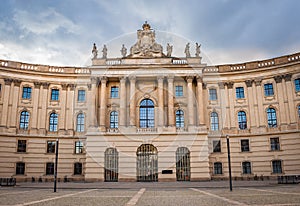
x=147, y=116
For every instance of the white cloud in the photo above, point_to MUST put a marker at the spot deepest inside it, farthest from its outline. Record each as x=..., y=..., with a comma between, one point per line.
x=44, y=22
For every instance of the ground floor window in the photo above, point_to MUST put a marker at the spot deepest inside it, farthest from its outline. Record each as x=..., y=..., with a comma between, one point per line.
x=111, y=164
x=49, y=168
x=183, y=169
x=218, y=168
x=276, y=166
x=77, y=168
x=246, y=167
x=147, y=163
x=20, y=168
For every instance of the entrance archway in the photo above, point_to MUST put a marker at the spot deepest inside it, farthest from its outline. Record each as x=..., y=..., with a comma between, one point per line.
x=111, y=164
x=147, y=164
x=183, y=169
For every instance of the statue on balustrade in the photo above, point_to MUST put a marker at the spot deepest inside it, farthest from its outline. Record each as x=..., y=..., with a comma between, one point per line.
x=104, y=52
x=95, y=51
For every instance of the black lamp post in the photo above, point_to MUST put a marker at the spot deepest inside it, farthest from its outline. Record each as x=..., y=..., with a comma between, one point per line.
x=229, y=162
x=55, y=167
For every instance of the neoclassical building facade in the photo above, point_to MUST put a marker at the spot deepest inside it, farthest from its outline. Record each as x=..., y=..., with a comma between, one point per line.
x=149, y=116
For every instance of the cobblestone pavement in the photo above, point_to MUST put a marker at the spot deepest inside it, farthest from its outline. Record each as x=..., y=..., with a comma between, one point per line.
x=145, y=194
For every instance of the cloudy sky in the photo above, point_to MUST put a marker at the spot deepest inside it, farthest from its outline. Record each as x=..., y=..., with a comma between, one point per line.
x=62, y=32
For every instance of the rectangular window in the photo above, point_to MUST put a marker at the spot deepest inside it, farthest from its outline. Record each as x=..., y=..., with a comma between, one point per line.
x=20, y=168
x=21, y=146
x=54, y=94
x=218, y=168
x=78, y=147
x=297, y=85
x=50, y=146
x=245, y=145
x=239, y=92
x=269, y=89
x=246, y=167
x=26, y=93
x=216, y=146
x=212, y=94
x=275, y=143
x=77, y=168
x=179, y=91
x=114, y=92
x=276, y=165
x=81, y=96
x=50, y=168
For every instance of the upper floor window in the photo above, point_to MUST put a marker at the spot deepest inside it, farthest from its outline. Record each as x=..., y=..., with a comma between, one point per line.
x=218, y=168
x=213, y=94
x=242, y=120
x=78, y=147
x=179, y=118
x=246, y=167
x=26, y=94
x=245, y=145
x=53, y=120
x=299, y=111
x=80, y=123
x=216, y=146
x=50, y=146
x=269, y=89
x=276, y=166
x=49, y=168
x=147, y=113
x=271, y=116
x=114, y=92
x=81, y=96
x=297, y=85
x=55, y=94
x=239, y=92
x=214, y=121
x=77, y=168
x=114, y=119
x=20, y=168
x=21, y=146
x=178, y=91
x=275, y=143
x=24, y=120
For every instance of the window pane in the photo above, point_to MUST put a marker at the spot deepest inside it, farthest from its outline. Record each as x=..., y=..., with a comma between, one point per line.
x=81, y=96
x=216, y=146
x=239, y=91
x=214, y=121
x=179, y=91
x=21, y=146
x=274, y=143
x=297, y=85
x=53, y=122
x=78, y=147
x=212, y=94
x=147, y=114
x=77, y=168
x=114, y=119
x=179, y=119
x=218, y=168
x=269, y=89
x=50, y=168
x=114, y=92
x=24, y=120
x=276, y=165
x=50, y=146
x=246, y=167
x=54, y=94
x=80, y=123
x=271, y=116
x=26, y=93
x=242, y=120
x=20, y=168
x=245, y=145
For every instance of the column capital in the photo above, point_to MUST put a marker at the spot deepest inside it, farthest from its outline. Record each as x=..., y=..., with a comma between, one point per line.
x=170, y=77
x=122, y=79
x=71, y=86
x=45, y=85
x=132, y=78
x=229, y=85
x=95, y=80
x=258, y=82
x=89, y=86
x=278, y=79
x=287, y=77
x=204, y=85
x=160, y=78
x=8, y=81
x=189, y=79
x=17, y=82
x=37, y=85
x=222, y=85
x=64, y=86
x=249, y=83
x=103, y=79
x=199, y=79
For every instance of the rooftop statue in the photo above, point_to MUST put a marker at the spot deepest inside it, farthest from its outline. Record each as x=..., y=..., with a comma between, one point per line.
x=169, y=50
x=104, y=52
x=95, y=51
x=123, y=51
x=187, y=50
x=146, y=45
x=198, y=50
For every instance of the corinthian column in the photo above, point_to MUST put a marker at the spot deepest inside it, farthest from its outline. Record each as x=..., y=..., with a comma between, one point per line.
x=103, y=103
x=132, y=106
x=190, y=100
x=122, y=101
x=160, y=81
x=171, y=101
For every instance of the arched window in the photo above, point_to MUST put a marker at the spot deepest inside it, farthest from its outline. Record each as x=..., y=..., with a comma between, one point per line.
x=111, y=165
x=214, y=121
x=179, y=118
x=218, y=168
x=53, y=120
x=147, y=114
x=271, y=116
x=80, y=123
x=147, y=163
x=24, y=120
x=242, y=120
x=183, y=169
x=114, y=119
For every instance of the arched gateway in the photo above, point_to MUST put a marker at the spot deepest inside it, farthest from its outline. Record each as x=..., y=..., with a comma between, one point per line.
x=147, y=164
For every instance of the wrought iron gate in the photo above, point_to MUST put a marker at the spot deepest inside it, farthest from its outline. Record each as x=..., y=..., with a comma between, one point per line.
x=147, y=164
x=183, y=169
x=111, y=164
